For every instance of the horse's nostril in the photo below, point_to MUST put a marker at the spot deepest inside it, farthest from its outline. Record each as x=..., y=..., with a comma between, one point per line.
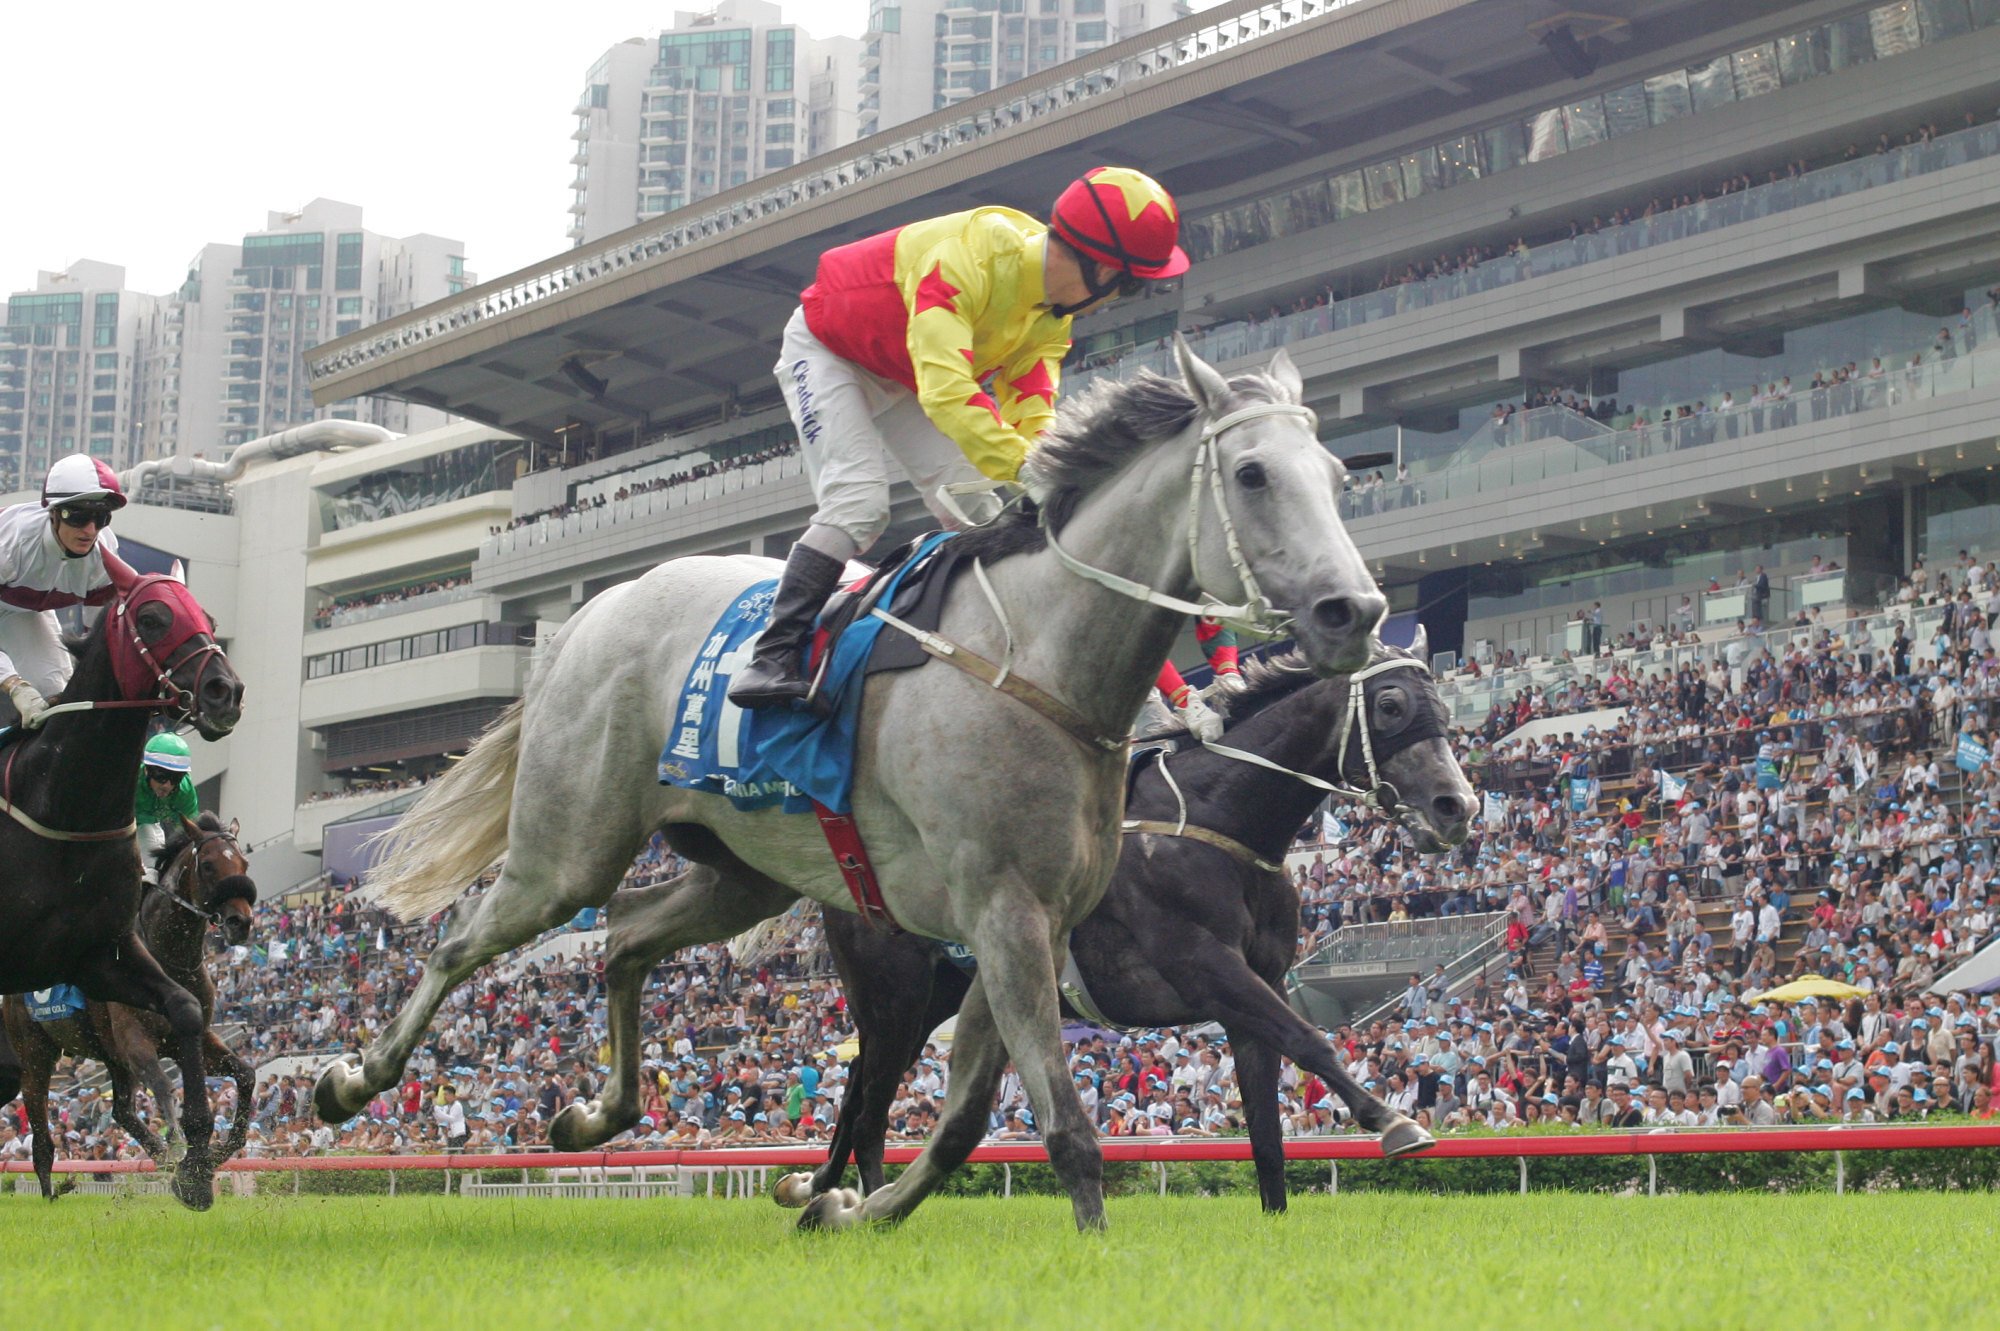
x=1449, y=808
x=1336, y=614
x=1349, y=614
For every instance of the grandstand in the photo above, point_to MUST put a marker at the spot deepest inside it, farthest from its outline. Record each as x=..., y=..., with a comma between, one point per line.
x=1598, y=344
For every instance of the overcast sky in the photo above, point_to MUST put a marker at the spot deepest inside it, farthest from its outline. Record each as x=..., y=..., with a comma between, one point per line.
x=140, y=132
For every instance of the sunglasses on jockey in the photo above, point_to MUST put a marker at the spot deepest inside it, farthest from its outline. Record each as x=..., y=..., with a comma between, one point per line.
x=83, y=515
x=163, y=774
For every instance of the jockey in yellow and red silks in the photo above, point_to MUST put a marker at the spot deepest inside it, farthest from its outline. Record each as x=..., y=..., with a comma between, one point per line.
x=939, y=344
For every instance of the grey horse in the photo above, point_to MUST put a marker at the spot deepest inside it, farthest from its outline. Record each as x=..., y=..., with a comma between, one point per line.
x=990, y=821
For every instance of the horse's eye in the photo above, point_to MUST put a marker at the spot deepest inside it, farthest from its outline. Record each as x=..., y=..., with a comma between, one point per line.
x=1250, y=476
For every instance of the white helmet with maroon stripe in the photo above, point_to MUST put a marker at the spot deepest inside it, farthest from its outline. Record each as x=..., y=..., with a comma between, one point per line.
x=81, y=479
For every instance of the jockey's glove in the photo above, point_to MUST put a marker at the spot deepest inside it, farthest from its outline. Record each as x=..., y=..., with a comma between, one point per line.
x=1202, y=721
x=1229, y=681
x=28, y=701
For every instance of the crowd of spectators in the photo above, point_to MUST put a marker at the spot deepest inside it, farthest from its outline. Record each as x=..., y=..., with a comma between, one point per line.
x=384, y=786
x=342, y=608
x=1760, y=817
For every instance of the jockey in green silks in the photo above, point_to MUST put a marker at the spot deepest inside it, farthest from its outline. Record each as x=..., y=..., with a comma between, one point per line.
x=165, y=796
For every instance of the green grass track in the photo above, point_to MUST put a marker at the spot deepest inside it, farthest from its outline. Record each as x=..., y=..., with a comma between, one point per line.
x=1547, y=1259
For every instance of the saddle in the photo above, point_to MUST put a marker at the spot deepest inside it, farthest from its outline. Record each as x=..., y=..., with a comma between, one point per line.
x=918, y=601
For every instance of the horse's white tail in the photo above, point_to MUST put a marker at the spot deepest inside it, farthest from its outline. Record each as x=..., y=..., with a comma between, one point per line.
x=458, y=828
x=761, y=941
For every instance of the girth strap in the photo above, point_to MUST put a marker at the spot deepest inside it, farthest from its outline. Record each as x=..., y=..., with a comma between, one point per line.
x=1228, y=845
x=843, y=838
x=1066, y=718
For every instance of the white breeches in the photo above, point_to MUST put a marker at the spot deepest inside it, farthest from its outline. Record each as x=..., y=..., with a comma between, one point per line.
x=851, y=423
x=31, y=647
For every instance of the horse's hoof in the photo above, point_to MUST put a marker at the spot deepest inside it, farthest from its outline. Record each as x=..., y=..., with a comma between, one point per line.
x=1405, y=1137
x=340, y=1093
x=193, y=1185
x=570, y=1129
x=793, y=1190
x=837, y=1209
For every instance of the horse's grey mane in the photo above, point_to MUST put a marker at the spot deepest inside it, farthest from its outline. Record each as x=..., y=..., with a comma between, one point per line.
x=1096, y=432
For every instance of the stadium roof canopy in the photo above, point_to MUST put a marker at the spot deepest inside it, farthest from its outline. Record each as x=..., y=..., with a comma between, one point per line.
x=675, y=321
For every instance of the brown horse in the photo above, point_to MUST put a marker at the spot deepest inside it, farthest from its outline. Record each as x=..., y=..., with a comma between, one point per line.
x=205, y=879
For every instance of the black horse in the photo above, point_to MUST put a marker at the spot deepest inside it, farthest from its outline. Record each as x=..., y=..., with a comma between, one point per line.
x=1197, y=927
x=69, y=857
x=204, y=880
x=10, y=1071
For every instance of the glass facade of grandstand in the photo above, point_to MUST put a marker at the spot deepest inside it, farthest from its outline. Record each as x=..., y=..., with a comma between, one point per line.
x=1888, y=30
x=416, y=647
x=1231, y=341
x=460, y=473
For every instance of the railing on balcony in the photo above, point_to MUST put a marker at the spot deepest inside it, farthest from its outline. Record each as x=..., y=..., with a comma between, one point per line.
x=675, y=498
x=362, y=614
x=1535, y=464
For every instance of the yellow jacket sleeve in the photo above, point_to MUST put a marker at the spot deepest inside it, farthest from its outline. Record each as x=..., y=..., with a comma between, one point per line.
x=948, y=289
x=1027, y=382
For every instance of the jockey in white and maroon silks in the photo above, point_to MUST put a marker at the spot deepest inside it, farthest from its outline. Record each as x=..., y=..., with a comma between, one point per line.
x=1218, y=644
x=50, y=558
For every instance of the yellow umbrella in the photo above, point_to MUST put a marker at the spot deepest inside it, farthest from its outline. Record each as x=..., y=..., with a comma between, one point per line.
x=1810, y=986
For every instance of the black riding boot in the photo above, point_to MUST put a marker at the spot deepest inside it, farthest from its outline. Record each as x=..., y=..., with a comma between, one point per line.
x=773, y=678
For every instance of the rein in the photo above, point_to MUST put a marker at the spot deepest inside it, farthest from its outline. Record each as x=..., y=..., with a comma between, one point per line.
x=1256, y=612
x=182, y=859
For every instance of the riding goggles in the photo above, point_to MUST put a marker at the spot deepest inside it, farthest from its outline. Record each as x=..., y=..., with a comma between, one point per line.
x=83, y=515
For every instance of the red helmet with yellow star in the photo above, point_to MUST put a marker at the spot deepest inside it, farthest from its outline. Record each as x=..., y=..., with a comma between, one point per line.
x=1124, y=218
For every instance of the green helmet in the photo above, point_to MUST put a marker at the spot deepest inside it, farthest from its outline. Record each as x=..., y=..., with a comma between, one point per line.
x=168, y=752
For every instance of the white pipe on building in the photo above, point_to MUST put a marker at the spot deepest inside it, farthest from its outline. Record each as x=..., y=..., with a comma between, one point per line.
x=312, y=437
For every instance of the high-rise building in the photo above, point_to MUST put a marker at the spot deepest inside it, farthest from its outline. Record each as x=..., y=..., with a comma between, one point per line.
x=713, y=102
x=919, y=56
x=219, y=358
x=68, y=365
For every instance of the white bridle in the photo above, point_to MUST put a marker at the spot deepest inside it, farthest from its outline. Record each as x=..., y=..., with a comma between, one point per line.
x=1255, y=612
x=1380, y=794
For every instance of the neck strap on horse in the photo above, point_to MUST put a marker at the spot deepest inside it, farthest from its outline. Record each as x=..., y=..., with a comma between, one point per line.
x=47, y=833
x=1229, y=845
x=1001, y=678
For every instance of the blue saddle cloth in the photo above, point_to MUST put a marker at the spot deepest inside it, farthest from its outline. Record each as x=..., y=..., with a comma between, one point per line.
x=786, y=758
x=57, y=1004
